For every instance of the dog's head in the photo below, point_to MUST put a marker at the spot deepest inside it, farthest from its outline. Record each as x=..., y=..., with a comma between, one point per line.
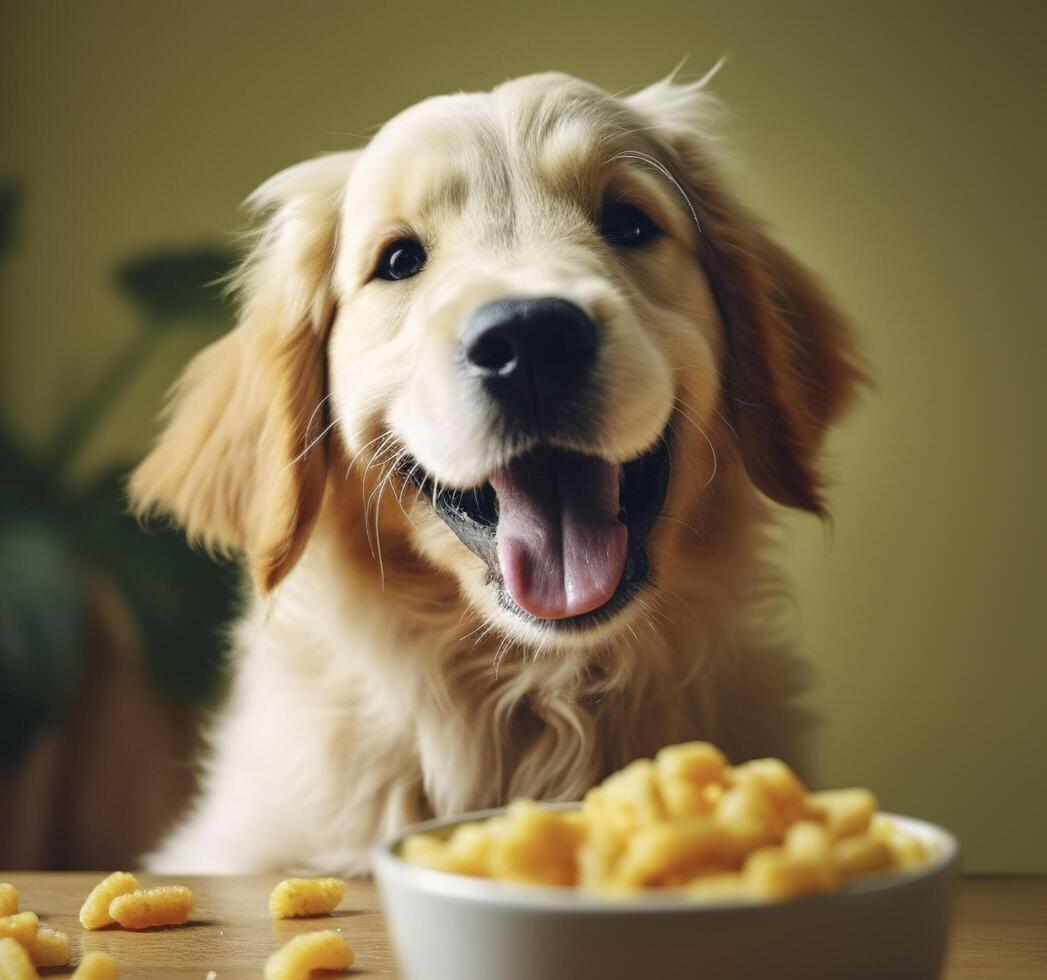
x=534, y=315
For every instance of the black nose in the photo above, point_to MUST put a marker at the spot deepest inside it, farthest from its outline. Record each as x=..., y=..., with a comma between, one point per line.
x=530, y=352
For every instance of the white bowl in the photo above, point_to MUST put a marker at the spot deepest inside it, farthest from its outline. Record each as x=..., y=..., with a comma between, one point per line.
x=452, y=927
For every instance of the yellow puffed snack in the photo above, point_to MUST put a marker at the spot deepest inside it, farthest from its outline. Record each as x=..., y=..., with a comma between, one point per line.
x=50, y=948
x=846, y=812
x=630, y=797
x=801, y=867
x=906, y=851
x=777, y=782
x=166, y=906
x=300, y=897
x=8, y=899
x=686, y=820
x=324, y=950
x=669, y=853
x=466, y=852
x=861, y=855
x=14, y=961
x=726, y=886
x=96, y=966
x=535, y=845
x=749, y=820
x=690, y=777
x=94, y=913
x=599, y=853
x=21, y=927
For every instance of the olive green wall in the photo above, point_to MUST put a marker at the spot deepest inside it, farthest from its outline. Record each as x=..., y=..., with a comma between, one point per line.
x=898, y=148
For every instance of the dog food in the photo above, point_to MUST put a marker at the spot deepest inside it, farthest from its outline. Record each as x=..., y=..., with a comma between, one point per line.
x=323, y=950
x=166, y=906
x=96, y=966
x=15, y=963
x=50, y=947
x=8, y=899
x=95, y=911
x=685, y=820
x=20, y=927
x=301, y=897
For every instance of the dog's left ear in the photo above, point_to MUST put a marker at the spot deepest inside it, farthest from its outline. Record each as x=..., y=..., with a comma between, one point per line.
x=240, y=463
x=791, y=365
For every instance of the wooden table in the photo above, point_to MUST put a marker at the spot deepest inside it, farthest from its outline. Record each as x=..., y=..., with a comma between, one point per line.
x=1000, y=934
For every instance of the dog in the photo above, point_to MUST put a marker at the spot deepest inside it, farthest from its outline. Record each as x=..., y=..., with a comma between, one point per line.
x=500, y=437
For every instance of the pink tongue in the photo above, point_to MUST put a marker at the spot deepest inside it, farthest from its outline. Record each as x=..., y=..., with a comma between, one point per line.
x=561, y=546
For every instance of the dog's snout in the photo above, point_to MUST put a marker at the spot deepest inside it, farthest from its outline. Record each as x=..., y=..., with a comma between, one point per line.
x=530, y=351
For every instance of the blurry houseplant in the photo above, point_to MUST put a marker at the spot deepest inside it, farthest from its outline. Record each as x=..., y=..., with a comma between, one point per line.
x=62, y=541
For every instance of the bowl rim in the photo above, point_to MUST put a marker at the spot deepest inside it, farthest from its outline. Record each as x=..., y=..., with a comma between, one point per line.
x=387, y=865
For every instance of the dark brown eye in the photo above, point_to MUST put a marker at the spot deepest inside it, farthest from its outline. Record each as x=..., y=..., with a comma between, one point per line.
x=402, y=259
x=626, y=226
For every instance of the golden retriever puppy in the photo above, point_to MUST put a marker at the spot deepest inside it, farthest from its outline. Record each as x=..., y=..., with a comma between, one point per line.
x=497, y=438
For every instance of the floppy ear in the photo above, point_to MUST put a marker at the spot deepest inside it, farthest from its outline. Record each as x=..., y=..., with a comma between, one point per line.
x=791, y=367
x=233, y=464
x=791, y=363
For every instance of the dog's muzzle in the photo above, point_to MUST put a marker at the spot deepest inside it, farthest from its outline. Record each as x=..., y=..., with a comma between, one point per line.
x=562, y=531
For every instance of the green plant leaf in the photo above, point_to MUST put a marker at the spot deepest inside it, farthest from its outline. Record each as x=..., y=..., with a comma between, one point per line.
x=24, y=485
x=10, y=205
x=182, y=600
x=41, y=633
x=174, y=285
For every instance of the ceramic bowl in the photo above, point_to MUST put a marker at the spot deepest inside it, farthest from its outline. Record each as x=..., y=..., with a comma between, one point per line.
x=891, y=926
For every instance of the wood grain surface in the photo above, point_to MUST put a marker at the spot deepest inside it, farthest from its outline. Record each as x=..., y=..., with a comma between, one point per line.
x=1000, y=932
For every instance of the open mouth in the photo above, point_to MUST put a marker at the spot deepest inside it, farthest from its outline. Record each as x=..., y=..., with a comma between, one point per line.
x=562, y=532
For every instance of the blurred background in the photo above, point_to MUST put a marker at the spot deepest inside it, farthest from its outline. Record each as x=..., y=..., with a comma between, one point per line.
x=897, y=148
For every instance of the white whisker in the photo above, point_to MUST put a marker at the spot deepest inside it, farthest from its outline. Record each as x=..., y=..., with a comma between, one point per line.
x=682, y=409
x=665, y=172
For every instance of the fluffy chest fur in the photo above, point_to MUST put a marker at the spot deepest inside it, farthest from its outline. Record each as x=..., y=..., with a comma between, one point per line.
x=355, y=710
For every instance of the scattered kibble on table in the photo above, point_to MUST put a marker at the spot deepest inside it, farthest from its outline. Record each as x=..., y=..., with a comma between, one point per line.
x=117, y=899
x=322, y=950
x=20, y=927
x=166, y=906
x=50, y=947
x=303, y=897
x=96, y=966
x=15, y=963
x=8, y=898
x=94, y=914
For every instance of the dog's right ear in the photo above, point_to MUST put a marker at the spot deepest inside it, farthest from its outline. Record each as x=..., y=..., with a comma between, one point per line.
x=792, y=367
x=234, y=464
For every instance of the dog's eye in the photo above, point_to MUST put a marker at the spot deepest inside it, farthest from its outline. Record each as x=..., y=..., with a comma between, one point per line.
x=627, y=226
x=401, y=260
